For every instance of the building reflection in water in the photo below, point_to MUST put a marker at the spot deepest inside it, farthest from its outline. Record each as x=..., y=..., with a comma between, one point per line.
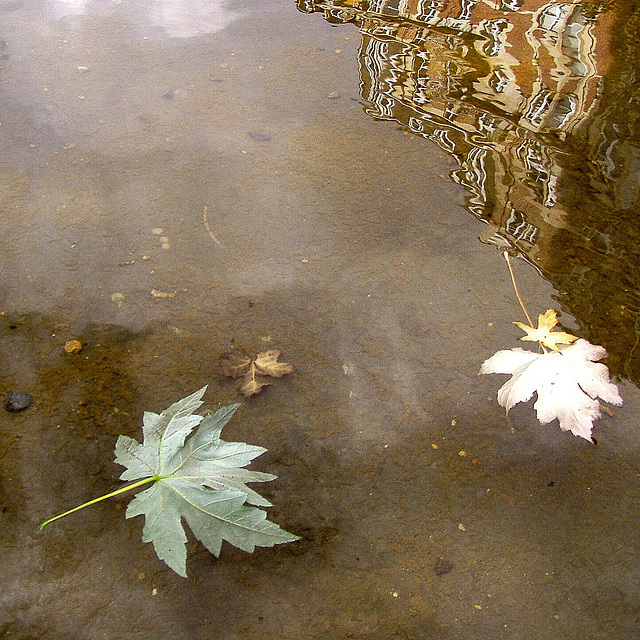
x=537, y=101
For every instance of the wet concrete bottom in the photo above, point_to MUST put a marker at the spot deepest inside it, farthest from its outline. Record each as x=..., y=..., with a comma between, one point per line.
x=424, y=513
x=431, y=522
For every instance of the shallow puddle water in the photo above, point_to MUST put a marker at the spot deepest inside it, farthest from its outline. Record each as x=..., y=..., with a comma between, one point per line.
x=338, y=180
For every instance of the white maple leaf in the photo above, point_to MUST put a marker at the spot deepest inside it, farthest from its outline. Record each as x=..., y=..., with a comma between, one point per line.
x=568, y=383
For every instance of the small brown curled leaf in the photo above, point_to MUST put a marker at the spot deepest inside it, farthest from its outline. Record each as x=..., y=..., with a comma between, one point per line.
x=238, y=364
x=235, y=364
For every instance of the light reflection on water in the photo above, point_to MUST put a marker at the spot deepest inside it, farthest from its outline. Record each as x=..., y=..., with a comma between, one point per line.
x=535, y=101
x=177, y=18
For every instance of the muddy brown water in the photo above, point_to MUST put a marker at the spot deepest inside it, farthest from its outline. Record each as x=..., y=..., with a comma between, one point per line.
x=179, y=179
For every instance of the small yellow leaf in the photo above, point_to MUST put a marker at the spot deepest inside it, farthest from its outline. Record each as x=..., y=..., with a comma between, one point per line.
x=544, y=333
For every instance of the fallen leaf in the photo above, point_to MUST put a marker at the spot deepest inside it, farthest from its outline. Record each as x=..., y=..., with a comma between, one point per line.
x=267, y=364
x=194, y=476
x=200, y=479
x=567, y=382
x=252, y=383
x=235, y=364
x=238, y=364
x=544, y=333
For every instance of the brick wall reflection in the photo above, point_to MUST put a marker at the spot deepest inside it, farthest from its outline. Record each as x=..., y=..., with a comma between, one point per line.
x=519, y=92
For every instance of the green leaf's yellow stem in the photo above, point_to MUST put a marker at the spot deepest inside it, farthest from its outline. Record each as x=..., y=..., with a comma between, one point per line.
x=104, y=497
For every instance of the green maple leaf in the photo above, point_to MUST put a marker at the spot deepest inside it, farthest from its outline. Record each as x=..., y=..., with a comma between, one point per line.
x=199, y=478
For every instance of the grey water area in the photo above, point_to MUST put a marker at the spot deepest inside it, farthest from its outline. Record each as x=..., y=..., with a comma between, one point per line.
x=181, y=179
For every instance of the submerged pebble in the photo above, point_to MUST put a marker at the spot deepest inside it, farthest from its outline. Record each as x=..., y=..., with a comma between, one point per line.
x=18, y=401
x=73, y=346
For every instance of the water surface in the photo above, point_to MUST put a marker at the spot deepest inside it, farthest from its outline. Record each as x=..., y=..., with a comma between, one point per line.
x=184, y=178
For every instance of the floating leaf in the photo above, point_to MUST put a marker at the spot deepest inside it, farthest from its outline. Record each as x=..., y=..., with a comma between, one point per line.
x=198, y=477
x=568, y=383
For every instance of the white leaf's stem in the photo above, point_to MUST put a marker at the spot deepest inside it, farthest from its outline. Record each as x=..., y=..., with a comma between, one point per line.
x=104, y=497
x=515, y=288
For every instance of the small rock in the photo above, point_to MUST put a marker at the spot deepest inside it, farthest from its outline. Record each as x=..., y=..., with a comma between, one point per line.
x=162, y=294
x=18, y=401
x=73, y=346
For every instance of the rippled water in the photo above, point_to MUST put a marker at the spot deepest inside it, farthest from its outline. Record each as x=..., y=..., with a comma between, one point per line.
x=183, y=178
x=537, y=103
